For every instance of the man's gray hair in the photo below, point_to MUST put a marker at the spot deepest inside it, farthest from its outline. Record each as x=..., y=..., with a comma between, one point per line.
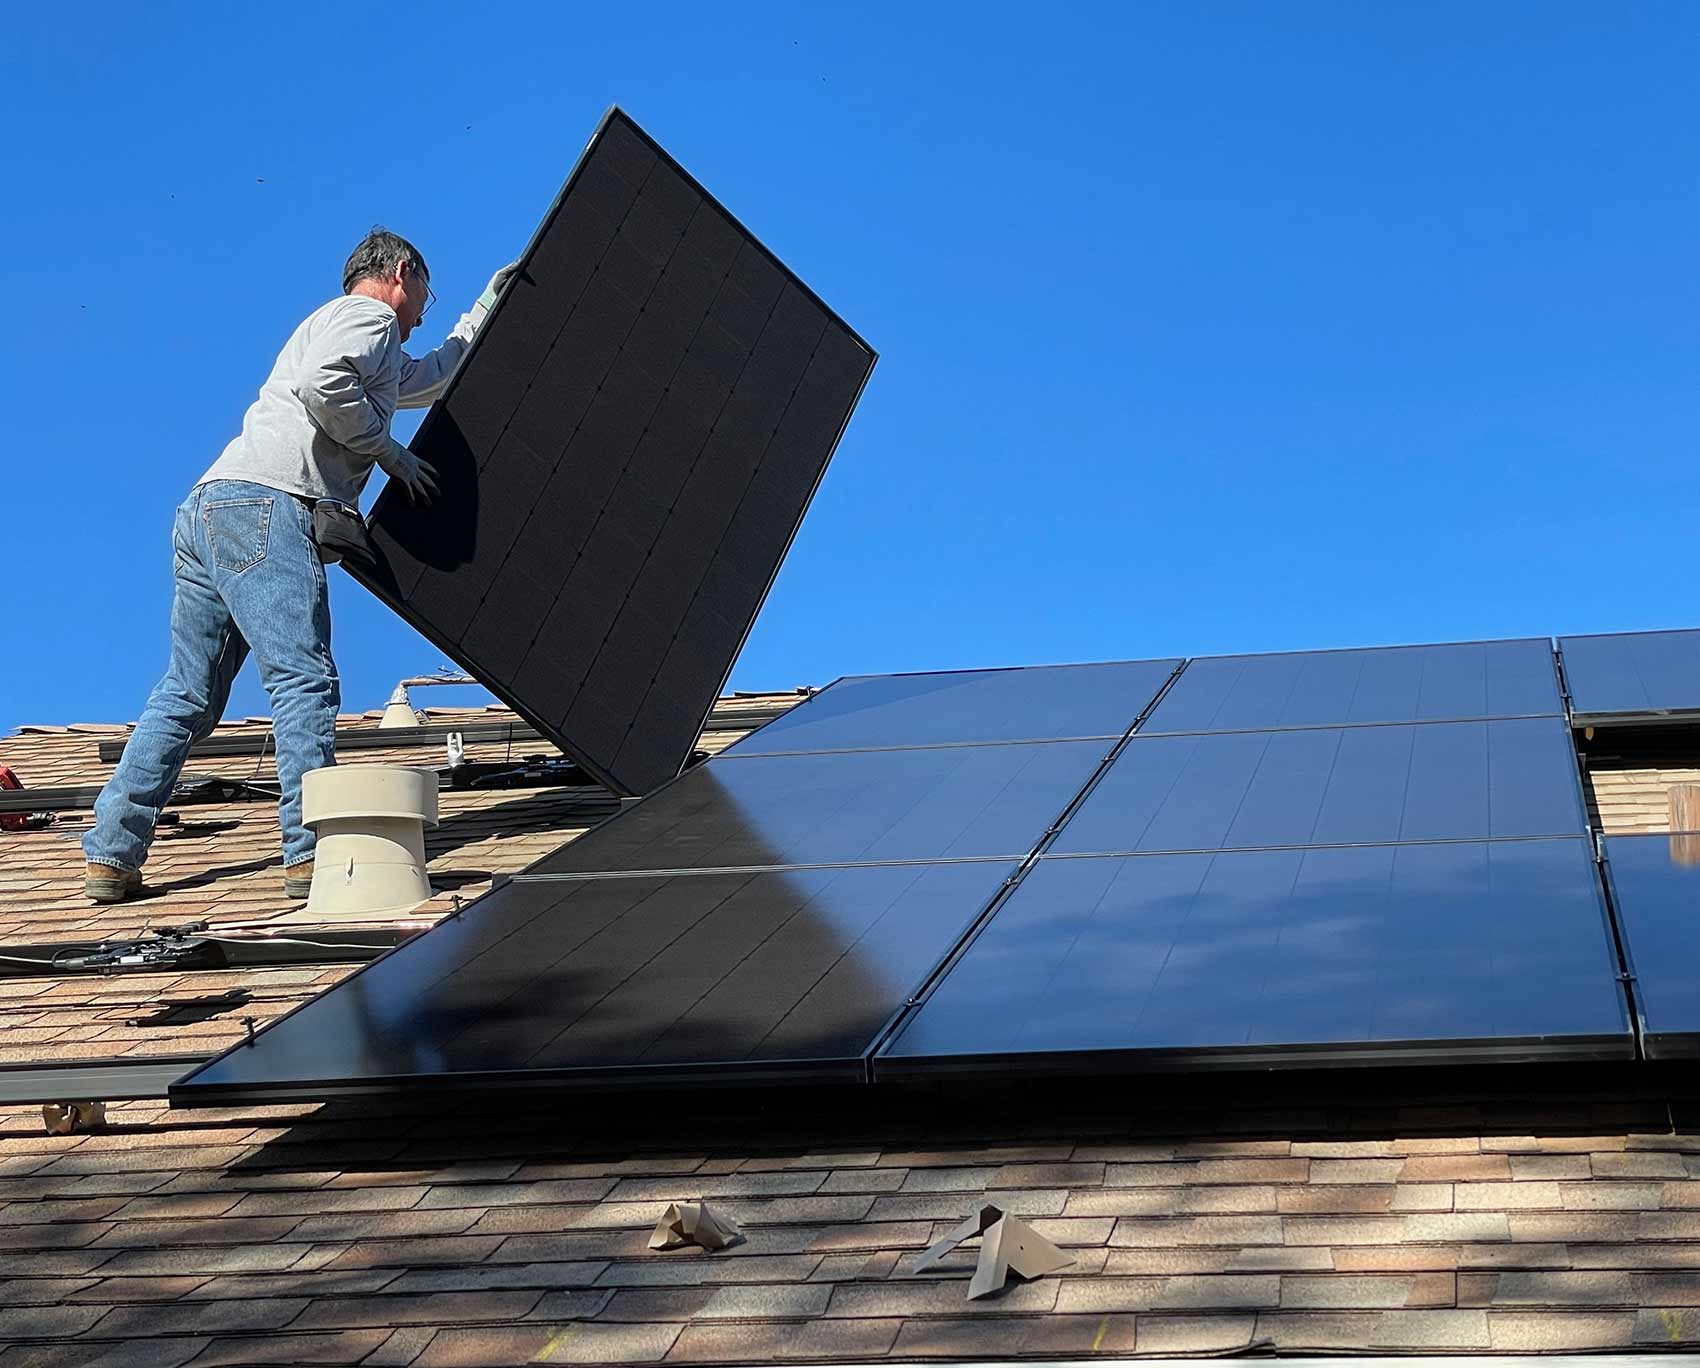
x=377, y=256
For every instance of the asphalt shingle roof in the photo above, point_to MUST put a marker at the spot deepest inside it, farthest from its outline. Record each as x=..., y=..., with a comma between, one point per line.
x=1204, y=1215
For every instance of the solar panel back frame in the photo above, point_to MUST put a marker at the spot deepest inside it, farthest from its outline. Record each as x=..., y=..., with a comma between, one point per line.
x=700, y=655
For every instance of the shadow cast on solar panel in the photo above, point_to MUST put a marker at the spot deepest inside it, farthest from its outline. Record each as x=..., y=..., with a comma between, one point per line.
x=625, y=455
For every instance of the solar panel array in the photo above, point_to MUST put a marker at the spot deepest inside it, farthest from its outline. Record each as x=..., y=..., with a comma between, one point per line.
x=767, y=915
x=1356, y=854
x=1292, y=860
x=625, y=455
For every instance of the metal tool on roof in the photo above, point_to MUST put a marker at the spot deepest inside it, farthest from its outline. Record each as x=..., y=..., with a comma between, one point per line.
x=35, y=806
x=1007, y=1245
x=19, y=821
x=694, y=1223
x=196, y=945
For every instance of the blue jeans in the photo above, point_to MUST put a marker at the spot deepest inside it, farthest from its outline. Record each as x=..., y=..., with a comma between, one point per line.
x=248, y=576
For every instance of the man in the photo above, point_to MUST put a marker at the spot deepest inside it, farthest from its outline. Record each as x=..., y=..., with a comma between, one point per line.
x=248, y=571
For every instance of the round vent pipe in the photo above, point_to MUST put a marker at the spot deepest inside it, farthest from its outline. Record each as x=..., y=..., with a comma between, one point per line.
x=398, y=712
x=370, y=821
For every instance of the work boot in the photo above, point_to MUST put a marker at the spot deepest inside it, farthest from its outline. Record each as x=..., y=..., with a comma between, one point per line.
x=298, y=879
x=110, y=883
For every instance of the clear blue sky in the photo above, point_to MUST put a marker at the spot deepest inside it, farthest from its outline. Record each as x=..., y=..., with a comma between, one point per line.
x=1204, y=328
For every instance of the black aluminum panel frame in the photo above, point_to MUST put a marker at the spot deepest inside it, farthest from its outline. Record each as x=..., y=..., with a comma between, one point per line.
x=1268, y=1058
x=374, y=582
x=1654, y=1044
x=123, y=1079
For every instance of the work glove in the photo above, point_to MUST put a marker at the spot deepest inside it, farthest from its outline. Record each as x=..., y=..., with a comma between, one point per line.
x=417, y=478
x=487, y=300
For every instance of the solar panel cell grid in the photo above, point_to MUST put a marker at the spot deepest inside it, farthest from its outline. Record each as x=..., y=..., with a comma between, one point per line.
x=1633, y=675
x=1435, y=781
x=1394, y=684
x=1394, y=949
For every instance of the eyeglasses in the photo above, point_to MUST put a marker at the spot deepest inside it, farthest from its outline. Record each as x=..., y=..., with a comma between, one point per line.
x=430, y=294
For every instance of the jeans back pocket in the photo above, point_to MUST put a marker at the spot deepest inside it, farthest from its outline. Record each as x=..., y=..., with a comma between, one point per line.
x=239, y=531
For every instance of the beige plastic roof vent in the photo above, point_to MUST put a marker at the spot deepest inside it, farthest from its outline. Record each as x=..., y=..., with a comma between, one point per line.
x=370, y=821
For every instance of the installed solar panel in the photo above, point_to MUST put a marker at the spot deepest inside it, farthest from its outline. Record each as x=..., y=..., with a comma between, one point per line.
x=625, y=455
x=1334, y=785
x=1392, y=684
x=1044, y=703
x=652, y=979
x=1656, y=886
x=1633, y=676
x=949, y=802
x=1300, y=957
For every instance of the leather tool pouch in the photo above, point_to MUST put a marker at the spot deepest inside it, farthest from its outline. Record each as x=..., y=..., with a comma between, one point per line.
x=339, y=531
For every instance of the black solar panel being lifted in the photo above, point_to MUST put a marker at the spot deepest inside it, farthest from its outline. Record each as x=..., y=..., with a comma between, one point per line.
x=625, y=456
x=1633, y=676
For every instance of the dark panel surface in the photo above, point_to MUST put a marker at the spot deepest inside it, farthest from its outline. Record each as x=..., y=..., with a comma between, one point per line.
x=1633, y=675
x=1039, y=704
x=1455, y=950
x=1656, y=887
x=1391, y=684
x=1332, y=786
x=625, y=455
x=647, y=979
x=951, y=802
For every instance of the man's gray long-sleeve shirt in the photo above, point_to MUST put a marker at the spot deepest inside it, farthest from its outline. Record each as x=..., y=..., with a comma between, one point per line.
x=323, y=416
